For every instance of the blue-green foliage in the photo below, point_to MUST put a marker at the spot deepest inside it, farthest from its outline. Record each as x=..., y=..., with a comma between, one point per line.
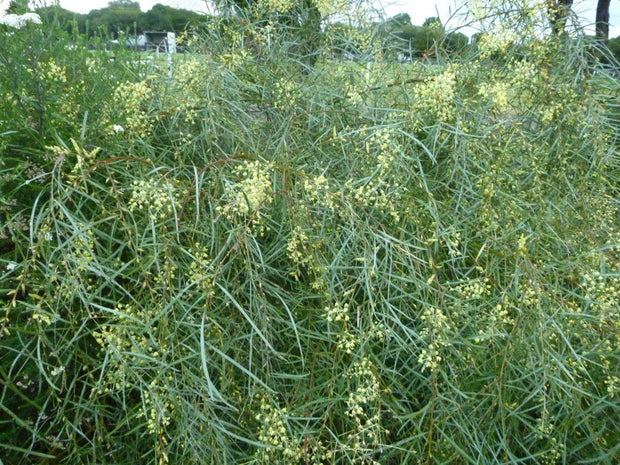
x=239, y=259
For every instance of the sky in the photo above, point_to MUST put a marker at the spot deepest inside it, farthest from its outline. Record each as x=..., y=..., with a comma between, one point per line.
x=418, y=10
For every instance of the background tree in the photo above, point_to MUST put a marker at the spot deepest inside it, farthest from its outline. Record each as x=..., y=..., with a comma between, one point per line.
x=433, y=22
x=118, y=16
x=429, y=37
x=398, y=33
x=614, y=47
x=395, y=23
x=123, y=15
x=403, y=38
x=65, y=19
x=602, y=20
x=418, y=41
x=455, y=43
x=558, y=11
x=165, y=18
x=18, y=7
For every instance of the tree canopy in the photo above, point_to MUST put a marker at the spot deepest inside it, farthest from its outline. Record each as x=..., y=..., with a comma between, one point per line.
x=124, y=16
x=407, y=40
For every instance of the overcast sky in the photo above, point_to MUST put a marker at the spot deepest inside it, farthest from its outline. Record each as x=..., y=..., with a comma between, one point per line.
x=419, y=10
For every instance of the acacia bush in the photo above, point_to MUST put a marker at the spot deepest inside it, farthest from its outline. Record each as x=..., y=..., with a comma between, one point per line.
x=242, y=261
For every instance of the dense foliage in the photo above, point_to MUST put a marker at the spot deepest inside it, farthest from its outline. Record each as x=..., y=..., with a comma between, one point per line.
x=407, y=41
x=241, y=259
x=122, y=16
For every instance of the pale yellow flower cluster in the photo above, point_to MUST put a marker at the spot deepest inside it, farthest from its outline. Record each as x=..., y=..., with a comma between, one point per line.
x=277, y=6
x=38, y=316
x=530, y=294
x=377, y=194
x=201, y=270
x=53, y=72
x=107, y=338
x=436, y=96
x=355, y=96
x=495, y=324
x=297, y=247
x=189, y=75
x=318, y=191
x=304, y=244
x=376, y=186
x=249, y=193
x=605, y=209
x=435, y=334
x=129, y=109
x=325, y=7
x=85, y=160
x=273, y=432
x=497, y=94
x=83, y=249
x=79, y=251
x=120, y=340
x=286, y=94
x=612, y=382
x=613, y=244
x=114, y=342
x=524, y=73
x=495, y=44
x=157, y=197
x=331, y=7
x=188, y=84
x=266, y=34
x=603, y=296
x=236, y=60
x=367, y=391
x=383, y=145
x=500, y=317
x=363, y=408
x=453, y=241
x=554, y=455
x=157, y=408
x=474, y=289
x=544, y=423
x=338, y=315
x=362, y=37
x=337, y=312
x=506, y=21
x=347, y=341
x=60, y=88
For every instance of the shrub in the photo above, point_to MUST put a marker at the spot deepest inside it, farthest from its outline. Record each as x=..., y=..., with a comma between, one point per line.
x=246, y=262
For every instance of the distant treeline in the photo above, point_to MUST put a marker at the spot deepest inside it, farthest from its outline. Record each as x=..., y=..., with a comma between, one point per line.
x=123, y=16
x=614, y=47
x=401, y=39
x=408, y=41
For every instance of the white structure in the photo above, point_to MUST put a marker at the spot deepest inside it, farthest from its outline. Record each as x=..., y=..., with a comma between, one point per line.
x=161, y=41
x=138, y=42
x=19, y=21
x=171, y=43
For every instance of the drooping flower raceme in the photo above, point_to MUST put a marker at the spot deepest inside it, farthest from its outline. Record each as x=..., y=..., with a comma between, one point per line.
x=251, y=191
